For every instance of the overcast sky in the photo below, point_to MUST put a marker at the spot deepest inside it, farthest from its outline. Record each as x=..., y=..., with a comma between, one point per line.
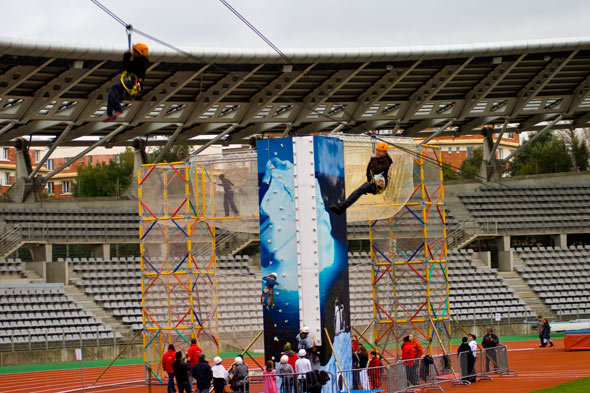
x=297, y=23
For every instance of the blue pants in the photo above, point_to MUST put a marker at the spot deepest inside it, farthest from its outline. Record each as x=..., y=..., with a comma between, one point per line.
x=116, y=94
x=171, y=383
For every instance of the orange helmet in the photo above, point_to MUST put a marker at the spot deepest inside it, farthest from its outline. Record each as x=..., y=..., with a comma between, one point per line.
x=142, y=49
x=382, y=146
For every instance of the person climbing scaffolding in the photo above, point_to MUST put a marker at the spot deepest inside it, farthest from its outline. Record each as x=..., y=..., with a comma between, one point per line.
x=268, y=292
x=377, y=178
x=135, y=65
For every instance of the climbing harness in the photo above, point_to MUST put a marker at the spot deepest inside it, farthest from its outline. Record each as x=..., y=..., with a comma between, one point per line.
x=131, y=83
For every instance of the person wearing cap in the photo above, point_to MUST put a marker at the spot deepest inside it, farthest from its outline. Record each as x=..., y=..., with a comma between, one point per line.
x=303, y=339
x=167, y=360
x=285, y=371
x=135, y=64
x=220, y=375
x=238, y=373
x=269, y=282
x=377, y=178
x=202, y=374
x=302, y=367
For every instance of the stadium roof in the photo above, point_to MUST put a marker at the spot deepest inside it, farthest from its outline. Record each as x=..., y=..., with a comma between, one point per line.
x=46, y=88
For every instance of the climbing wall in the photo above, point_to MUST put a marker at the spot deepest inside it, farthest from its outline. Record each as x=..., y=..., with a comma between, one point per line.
x=304, y=243
x=178, y=261
x=410, y=275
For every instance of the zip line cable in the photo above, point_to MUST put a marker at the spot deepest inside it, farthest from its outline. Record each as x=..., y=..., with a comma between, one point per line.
x=480, y=179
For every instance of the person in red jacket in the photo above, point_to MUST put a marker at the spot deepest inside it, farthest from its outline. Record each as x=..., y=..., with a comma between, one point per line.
x=193, y=354
x=374, y=371
x=167, y=361
x=408, y=355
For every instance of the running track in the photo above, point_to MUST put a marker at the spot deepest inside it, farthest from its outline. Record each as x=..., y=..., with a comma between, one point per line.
x=537, y=368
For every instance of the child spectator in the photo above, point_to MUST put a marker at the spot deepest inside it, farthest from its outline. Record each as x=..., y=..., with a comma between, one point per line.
x=270, y=378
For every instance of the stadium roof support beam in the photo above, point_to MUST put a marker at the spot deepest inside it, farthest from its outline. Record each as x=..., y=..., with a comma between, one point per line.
x=427, y=91
x=477, y=122
x=164, y=91
x=324, y=91
x=255, y=128
x=534, y=120
x=96, y=144
x=582, y=121
x=19, y=74
x=168, y=144
x=138, y=131
x=539, y=82
x=56, y=87
x=424, y=124
x=499, y=138
x=217, y=138
x=28, y=128
x=201, y=129
x=579, y=95
x=378, y=90
x=271, y=92
x=535, y=137
x=438, y=132
x=487, y=85
x=50, y=151
x=218, y=92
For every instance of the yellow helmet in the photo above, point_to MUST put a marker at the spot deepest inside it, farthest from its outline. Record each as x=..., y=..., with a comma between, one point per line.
x=382, y=146
x=142, y=49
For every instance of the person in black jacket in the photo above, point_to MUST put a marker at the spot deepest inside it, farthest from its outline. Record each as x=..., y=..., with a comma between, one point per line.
x=203, y=374
x=546, y=335
x=489, y=342
x=377, y=178
x=135, y=65
x=466, y=360
x=181, y=370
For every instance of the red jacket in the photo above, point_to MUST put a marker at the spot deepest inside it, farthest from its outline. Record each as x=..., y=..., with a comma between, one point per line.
x=408, y=352
x=418, y=348
x=167, y=360
x=193, y=353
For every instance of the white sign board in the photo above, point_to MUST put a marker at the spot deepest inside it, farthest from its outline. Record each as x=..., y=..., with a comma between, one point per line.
x=78, y=354
x=498, y=317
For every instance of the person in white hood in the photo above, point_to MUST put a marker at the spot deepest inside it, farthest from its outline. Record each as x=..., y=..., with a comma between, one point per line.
x=220, y=375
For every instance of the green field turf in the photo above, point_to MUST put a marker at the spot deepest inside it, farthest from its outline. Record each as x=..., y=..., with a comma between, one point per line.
x=578, y=386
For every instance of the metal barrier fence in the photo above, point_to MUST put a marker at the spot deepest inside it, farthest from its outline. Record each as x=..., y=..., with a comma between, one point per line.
x=313, y=382
x=496, y=361
x=368, y=379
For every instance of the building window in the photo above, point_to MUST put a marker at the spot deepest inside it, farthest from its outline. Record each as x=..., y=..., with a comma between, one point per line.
x=6, y=178
x=37, y=155
x=89, y=160
x=5, y=153
x=500, y=153
x=49, y=164
x=450, y=150
x=469, y=152
x=65, y=187
x=458, y=149
x=50, y=188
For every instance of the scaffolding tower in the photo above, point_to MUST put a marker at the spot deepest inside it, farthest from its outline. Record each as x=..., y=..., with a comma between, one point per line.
x=410, y=283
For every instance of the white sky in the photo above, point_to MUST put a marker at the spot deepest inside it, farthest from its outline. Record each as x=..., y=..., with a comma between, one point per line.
x=297, y=23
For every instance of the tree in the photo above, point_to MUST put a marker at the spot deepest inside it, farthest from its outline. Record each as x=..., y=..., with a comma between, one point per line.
x=547, y=154
x=580, y=154
x=471, y=165
x=175, y=154
x=105, y=179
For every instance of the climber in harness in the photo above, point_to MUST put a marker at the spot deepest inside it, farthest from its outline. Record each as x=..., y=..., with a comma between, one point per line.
x=377, y=178
x=135, y=63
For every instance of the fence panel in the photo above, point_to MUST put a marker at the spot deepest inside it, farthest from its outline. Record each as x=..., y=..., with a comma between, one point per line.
x=502, y=357
x=370, y=378
x=324, y=382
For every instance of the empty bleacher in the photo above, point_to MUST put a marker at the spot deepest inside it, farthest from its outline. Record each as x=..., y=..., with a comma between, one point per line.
x=536, y=208
x=478, y=293
x=81, y=224
x=559, y=277
x=11, y=265
x=42, y=313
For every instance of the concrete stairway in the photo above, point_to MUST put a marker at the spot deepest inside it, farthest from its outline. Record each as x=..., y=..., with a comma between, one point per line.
x=32, y=277
x=90, y=305
x=516, y=282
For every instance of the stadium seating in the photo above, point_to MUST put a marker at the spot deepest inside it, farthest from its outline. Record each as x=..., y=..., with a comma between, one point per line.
x=91, y=224
x=519, y=207
x=559, y=277
x=36, y=313
x=10, y=265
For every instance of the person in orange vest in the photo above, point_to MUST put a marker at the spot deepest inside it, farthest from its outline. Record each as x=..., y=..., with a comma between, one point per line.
x=135, y=65
x=167, y=361
x=193, y=354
